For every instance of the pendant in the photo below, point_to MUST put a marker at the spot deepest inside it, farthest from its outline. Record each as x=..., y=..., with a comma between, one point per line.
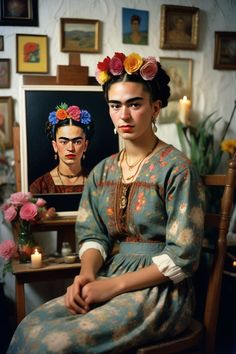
x=123, y=198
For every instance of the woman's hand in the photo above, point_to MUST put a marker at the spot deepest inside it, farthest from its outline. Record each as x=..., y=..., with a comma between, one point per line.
x=73, y=299
x=100, y=290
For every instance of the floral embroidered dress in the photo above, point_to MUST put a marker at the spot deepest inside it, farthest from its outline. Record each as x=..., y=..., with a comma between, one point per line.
x=161, y=221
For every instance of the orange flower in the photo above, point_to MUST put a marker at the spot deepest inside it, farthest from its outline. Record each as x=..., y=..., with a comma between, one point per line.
x=132, y=63
x=61, y=114
x=229, y=146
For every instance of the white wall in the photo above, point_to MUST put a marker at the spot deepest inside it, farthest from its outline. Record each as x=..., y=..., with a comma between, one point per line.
x=213, y=90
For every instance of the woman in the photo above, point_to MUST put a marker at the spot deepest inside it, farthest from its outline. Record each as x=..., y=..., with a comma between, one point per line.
x=69, y=130
x=148, y=198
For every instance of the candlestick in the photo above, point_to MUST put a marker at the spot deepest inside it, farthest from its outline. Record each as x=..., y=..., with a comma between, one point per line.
x=184, y=110
x=36, y=259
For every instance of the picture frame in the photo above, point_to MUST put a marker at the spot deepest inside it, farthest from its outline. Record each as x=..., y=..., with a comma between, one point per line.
x=225, y=51
x=6, y=121
x=179, y=27
x=1, y=43
x=37, y=154
x=5, y=80
x=80, y=35
x=32, y=54
x=19, y=13
x=135, y=26
x=180, y=72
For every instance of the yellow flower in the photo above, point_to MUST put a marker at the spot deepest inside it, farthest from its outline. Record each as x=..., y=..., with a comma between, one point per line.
x=229, y=146
x=132, y=63
x=102, y=77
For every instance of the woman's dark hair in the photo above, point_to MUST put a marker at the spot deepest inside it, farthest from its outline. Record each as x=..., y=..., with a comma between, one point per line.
x=157, y=87
x=135, y=18
x=51, y=130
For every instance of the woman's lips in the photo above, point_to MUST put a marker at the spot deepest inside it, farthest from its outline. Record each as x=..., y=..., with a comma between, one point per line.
x=126, y=128
x=70, y=156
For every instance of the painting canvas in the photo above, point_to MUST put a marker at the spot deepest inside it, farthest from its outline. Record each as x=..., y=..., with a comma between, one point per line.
x=180, y=72
x=37, y=154
x=4, y=73
x=135, y=26
x=18, y=12
x=6, y=121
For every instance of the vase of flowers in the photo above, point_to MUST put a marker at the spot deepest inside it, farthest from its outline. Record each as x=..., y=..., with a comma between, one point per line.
x=22, y=210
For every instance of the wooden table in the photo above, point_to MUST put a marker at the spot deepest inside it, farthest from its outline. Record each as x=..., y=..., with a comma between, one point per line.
x=25, y=274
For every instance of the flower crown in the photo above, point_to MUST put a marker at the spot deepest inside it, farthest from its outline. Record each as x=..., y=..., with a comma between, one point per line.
x=63, y=111
x=147, y=68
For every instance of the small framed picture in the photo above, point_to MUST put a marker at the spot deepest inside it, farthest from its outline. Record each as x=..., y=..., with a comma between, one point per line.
x=19, y=13
x=179, y=27
x=180, y=72
x=1, y=43
x=80, y=35
x=6, y=121
x=5, y=73
x=225, y=51
x=32, y=53
x=135, y=26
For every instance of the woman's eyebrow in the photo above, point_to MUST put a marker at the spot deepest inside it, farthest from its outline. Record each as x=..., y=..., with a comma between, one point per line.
x=67, y=139
x=130, y=100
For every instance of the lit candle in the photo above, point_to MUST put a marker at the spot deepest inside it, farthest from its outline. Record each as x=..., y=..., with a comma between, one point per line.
x=36, y=259
x=184, y=110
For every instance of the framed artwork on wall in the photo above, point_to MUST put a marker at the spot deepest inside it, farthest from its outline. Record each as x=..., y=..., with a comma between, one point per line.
x=5, y=73
x=19, y=13
x=225, y=51
x=32, y=53
x=180, y=72
x=134, y=26
x=6, y=121
x=179, y=27
x=1, y=43
x=37, y=154
x=80, y=35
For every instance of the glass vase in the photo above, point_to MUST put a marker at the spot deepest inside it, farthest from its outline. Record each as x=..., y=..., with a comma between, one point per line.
x=26, y=245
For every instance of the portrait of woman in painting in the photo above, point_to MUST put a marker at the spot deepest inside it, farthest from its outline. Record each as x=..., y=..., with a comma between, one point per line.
x=69, y=129
x=135, y=27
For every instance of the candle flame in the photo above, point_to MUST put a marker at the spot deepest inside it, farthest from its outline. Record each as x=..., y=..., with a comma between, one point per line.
x=36, y=251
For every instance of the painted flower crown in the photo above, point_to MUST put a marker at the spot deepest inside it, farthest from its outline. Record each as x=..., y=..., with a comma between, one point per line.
x=63, y=111
x=147, y=68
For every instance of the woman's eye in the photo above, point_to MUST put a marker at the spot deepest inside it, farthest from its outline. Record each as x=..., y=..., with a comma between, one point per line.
x=77, y=142
x=134, y=105
x=114, y=106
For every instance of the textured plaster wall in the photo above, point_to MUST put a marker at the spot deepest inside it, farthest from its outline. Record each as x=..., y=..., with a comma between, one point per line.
x=212, y=90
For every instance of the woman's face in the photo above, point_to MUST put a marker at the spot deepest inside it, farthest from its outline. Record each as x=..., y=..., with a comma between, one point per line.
x=70, y=144
x=131, y=109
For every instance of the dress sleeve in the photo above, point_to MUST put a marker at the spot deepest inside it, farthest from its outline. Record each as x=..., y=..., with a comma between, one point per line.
x=91, y=232
x=185, y=203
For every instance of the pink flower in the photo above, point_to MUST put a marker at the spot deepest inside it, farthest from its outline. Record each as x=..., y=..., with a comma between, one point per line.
x=28, y=211
x=116, y=65
x=8, y=249
x=10, y=213
x=149, y=69
x=20, y=198
x=40, y=202
x=74, y=112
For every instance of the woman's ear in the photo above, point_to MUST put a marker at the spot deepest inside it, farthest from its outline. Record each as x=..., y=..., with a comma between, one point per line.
x=86, y=145
x=157, y=107
x=54, y=145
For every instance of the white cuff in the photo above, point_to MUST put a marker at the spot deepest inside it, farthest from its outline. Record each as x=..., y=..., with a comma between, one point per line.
x=167, y=267
x=92, y=244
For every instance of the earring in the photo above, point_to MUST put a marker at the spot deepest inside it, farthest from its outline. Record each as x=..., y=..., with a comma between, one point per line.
x=55, y=156
x=115, y=131
x=154, y=127
x=83, y=157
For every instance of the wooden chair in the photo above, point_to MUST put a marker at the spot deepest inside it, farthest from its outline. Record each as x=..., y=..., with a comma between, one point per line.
x=200, y=336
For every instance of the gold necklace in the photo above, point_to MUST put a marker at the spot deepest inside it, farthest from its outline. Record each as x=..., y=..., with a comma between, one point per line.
x=125, y=186
x=131, y=166
x=61, y=174
x=68, y=176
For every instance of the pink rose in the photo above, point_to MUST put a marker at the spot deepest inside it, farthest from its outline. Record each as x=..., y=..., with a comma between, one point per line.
x=74, y=112
x=28, y=211
x=20, y=198
x=149, y=70
x=40, y=202
x=10, y=213
x=116, y=66
x=8, y=249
